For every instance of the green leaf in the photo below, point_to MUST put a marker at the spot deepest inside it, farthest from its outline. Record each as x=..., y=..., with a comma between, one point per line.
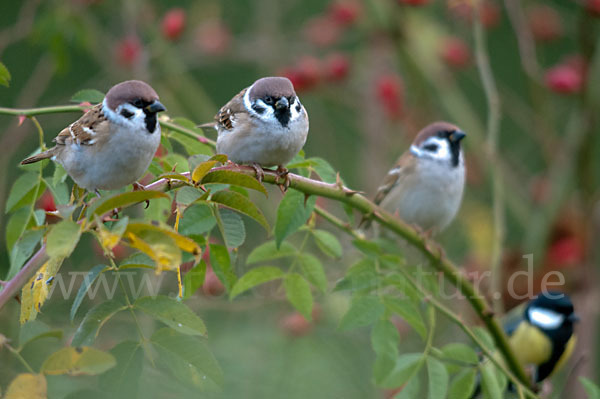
x=22, y=250
x=34, y=330
x=328, y=243
x=364, y=311
x=17, y=224
x=4, y=75
x=489, y=382
x=189, y=359
x=120, y=200
x=137, y=260
x=88, y=280
x=23, y=191
x=324, y=170
x=407, y=309
x=485, y=337
x=411, y=388
x=298, y=293
x=460, y=353
x=313, y=270
x=241, y=204
x=234, y=178
x=173, y=313
x=291, y=214
x=194, y=279
x=78, y=361
x=438, y=379
x=385, y=338
x=269, y=251
x=190, y=144
x=221, y=264
x=62, y=239
x=463, y=384
x=94, y=320
x=407, y=365
x=592, y=390
x=197, y=219
x=122, y=381
x=254, y=277
x=201, y=170
x=361, y=276
x=232, y=228
x=92, y=96
x=186, y=195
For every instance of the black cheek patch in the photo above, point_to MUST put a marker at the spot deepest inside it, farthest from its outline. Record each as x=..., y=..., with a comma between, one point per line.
x=126, y=113
x=298, y=108
x=258, y=109
x=150, y=120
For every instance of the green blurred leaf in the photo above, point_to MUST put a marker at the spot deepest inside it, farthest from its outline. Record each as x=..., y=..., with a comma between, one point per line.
x=234, y=178
x=438, y=379
x=385, y=338
x=190, y=145
x=407, y=309
x=194, y=279
x=489, y=382
x=461, y=353
x=463, y=384
x=173, y=313
x=312, y=268
x=485, y=337
x=292, y=213
x=324, y=170
x=254, y=277
x=364, y=311
x=122, y=381
x=411, y=388
x=23, y=191
x=62, y=239
x=78, y=361
x=120, y=200
x=189, y=359
x=22, y=250
x=328, y=243
x=196, y=219
x=94, y=320
x=297, y=291
x=17, y=224
x=269, y=251
x=360, y=276
x=34, y=330
x=88, y=280
x=221, y=264
x=232, y=228
x=92, y=96
x=241, y=204
x=407, y=365
x=27, y=386
x=4, y=75
x=592, y=390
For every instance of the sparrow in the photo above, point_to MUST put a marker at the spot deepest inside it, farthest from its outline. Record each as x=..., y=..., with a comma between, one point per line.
x=263, y=125
x=425, y=186
x=542, y=335
x=113, y=143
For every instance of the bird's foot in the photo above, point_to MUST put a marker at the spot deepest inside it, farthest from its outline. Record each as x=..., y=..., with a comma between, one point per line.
x=140, y=187
x=260, y=173
x=282, y=172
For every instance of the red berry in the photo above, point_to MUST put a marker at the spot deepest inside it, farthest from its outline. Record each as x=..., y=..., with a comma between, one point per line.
x=414, y=3
x=593, y=7
x=173, y=23
x=128, y=51
x=564, y=79
x=463, y=9
x=337, y=67
x=566, y=251
x=212, y=285
x=296, y=325
x=46, y=202
x=322, y=31
x=455, y=52
x=490, y=14
x=305, y=75
x=213, y=37
x=389, y=93
x=345, y=12
x=545, y=23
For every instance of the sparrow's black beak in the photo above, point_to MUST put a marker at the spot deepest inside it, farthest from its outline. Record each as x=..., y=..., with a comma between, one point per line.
x=456, y=136
x=573, y=318
x=155, y=107
x=282, y=103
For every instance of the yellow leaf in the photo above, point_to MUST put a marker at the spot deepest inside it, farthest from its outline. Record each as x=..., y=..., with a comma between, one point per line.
x=27, y=386
x=35, y=292
x=161, y=248
x=78, y=361
x=202, y=169
x=184, y=243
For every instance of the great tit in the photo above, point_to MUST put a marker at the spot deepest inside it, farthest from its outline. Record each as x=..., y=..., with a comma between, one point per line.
x=542, y=336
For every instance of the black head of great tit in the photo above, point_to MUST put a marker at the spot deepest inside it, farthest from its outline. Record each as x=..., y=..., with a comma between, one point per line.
x=545, y=337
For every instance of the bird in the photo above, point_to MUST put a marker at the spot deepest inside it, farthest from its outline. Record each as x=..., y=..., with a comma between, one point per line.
x=425, y=186
x=542, y=335
x=264, y=125
x=113, y=143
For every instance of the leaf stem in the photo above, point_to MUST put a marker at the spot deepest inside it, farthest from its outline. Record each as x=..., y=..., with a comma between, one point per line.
x=21, y=359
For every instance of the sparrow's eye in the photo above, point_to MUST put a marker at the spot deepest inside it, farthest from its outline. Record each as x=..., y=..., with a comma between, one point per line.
x=126, y=113
x=138, y=103
x=269, y=100
x=430, y=147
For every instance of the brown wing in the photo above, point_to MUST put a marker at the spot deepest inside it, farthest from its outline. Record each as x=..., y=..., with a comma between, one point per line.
x=393, y=176
x=227, y=114
x=86, y=129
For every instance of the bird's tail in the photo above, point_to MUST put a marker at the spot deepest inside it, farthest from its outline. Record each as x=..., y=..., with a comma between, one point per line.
x=208, y=127
x=38, y=157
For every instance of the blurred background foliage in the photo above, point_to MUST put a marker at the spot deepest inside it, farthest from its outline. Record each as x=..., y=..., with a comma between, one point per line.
x=371, y=74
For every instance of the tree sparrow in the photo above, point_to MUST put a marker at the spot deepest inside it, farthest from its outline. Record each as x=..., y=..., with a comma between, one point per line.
x=112, y=144
x=425, y=186
x=263, y=125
